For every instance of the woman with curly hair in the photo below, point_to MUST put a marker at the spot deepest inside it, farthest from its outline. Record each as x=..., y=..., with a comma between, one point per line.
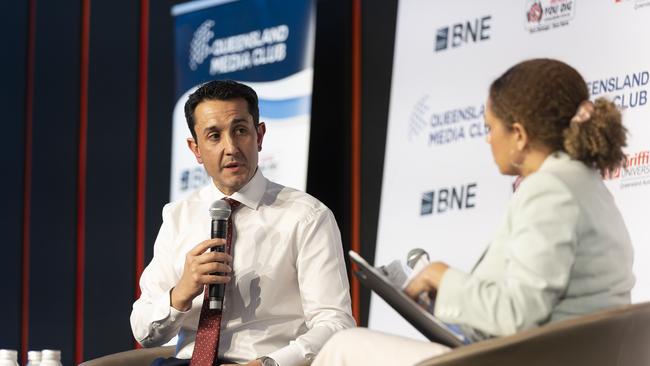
x=562, y=249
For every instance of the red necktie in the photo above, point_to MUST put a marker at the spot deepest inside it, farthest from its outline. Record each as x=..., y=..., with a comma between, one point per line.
x=206, y=346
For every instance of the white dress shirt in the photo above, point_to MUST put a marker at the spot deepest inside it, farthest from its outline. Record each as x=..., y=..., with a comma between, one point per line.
x=289, y=289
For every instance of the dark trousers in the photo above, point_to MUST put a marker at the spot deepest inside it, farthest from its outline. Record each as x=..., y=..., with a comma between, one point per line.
x=171, y=361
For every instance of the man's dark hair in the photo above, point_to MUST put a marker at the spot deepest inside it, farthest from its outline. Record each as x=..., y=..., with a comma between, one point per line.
x=221, y=90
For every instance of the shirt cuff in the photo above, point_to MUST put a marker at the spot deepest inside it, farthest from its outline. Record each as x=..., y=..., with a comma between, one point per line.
x=449, y=296
x=290, y=355
x=164, y=312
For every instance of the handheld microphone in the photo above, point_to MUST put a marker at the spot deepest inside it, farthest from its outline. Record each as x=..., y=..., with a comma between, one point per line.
x=417, y=257
x=219, y=212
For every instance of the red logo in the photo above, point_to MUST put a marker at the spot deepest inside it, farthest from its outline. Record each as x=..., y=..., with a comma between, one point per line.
x=535, y=12
x=631, y=161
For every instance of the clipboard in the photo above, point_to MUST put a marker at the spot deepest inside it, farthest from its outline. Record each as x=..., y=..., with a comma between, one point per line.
x=423, y=321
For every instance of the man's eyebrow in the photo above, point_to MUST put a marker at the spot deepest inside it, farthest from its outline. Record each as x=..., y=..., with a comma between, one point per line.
x=238, y=121
x=234, y=122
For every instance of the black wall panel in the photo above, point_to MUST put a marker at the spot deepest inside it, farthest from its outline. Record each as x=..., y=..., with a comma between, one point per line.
x=159, y=128
x=377, y=43
x=13, y=32
x=54, y=186
x=111, y=176
x=328, y=176
x=329, y=149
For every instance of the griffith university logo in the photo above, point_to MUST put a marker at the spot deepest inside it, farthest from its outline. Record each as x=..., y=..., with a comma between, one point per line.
x=634, y=172
x=462, y=33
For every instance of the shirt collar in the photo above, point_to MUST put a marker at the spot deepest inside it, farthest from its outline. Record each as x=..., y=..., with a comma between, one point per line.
x=249, y=195
x=553, y=158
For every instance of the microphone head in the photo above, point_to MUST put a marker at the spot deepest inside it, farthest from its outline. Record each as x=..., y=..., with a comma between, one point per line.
x=220, y=210
x=414, y=256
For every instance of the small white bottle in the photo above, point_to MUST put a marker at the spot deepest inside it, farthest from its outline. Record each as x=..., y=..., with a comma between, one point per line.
x=33, y=358
x=50, y=357
x=8, y=357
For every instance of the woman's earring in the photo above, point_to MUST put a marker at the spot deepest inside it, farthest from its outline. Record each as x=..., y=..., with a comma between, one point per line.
x=518, y=159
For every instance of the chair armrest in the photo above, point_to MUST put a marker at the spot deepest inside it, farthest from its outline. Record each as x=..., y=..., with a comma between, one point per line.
x=612, y=337
x=136, y=357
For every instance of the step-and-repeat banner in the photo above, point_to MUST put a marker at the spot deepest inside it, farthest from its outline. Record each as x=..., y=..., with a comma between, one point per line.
x=268, y=45
x=441, y=189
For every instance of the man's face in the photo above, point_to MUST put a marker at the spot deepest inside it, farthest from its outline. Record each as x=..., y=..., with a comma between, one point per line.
x=227, y=143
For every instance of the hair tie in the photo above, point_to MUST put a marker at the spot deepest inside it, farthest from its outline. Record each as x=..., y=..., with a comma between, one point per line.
x=584, y=112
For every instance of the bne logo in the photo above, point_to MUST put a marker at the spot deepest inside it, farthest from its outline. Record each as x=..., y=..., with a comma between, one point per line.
x=449, y=198
x=459, y=34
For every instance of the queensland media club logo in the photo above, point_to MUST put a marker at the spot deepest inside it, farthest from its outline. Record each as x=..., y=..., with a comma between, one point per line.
x=193, y=178
x=629, y=90
x=635, y=171
x=459, y=34
x=200, y=47
x=445, y=127
x=542, y=15
x=236, y=52
x=447, y=199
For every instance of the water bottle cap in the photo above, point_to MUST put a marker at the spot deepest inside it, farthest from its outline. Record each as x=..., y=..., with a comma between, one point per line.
x=34, y=355
x=51, y=354
x=8, y=354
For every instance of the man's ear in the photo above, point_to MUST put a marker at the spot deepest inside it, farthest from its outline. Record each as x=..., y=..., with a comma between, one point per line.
x=194, y=147
x=520, y=136
x=261, y=130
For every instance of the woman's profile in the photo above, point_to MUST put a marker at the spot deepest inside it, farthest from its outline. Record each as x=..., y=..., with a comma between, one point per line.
x=562, y=249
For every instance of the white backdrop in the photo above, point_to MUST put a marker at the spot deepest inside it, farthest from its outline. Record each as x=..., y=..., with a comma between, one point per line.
x=441, y=190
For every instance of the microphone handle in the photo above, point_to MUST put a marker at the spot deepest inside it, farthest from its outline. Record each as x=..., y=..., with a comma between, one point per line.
x=219, y=229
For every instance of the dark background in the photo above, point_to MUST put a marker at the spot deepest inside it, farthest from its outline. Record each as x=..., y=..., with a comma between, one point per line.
x=79, y=297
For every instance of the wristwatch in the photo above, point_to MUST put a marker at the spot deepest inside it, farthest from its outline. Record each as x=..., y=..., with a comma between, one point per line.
x=268, y=361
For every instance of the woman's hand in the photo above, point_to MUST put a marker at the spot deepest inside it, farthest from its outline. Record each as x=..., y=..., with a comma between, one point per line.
x=427, y=281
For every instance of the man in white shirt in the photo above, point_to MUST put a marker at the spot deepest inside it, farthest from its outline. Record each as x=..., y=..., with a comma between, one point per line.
x=286, y=284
